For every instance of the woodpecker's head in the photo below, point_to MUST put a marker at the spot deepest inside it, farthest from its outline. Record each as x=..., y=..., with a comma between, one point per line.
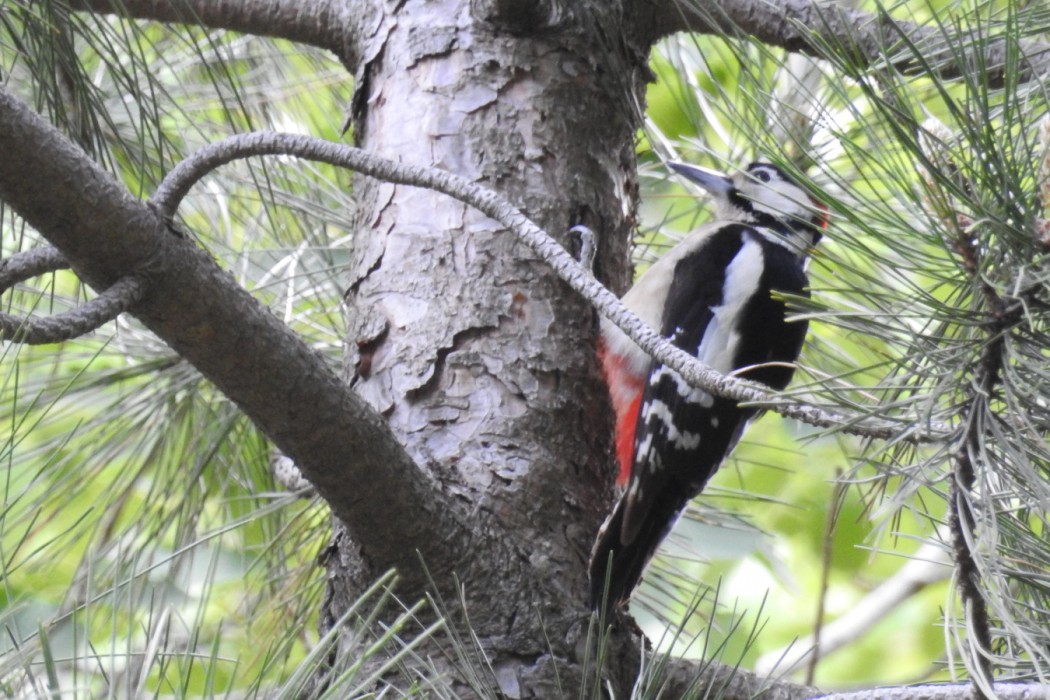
x=764, y=195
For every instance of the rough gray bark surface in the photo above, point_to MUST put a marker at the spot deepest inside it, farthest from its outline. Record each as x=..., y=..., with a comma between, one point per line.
x=481, y=360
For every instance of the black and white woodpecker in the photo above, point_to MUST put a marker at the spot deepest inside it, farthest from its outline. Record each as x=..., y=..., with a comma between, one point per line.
x=713, y=296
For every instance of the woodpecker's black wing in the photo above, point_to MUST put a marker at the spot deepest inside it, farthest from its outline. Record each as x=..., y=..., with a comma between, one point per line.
x=683, y=433
x=652, y=502
x=720, y=309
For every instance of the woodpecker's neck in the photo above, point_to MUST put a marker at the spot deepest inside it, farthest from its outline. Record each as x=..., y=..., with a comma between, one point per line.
x=797, y=236
x=797, y=233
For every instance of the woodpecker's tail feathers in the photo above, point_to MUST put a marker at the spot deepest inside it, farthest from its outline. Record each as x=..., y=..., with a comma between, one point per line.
x=616, y=566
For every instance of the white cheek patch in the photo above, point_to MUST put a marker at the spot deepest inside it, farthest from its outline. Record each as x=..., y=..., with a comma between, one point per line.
x=780, y=204
x=777, y=198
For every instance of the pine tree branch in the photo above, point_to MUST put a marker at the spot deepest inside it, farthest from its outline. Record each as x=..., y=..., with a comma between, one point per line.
x=685, y=678
x=109, y=304
x=321, y=23
x=803, y=26
x=29, y=264
x=961, y=521
x=182, y=177
x=1002, y=315
x=871, y=40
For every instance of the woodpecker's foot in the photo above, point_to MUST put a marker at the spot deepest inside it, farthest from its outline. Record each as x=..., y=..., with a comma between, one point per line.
x=585, y=242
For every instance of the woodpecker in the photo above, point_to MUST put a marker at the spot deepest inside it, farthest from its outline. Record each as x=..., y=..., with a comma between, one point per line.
x=712, y=296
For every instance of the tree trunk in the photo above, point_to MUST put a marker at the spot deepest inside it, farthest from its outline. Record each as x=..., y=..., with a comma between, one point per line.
x=480, y=358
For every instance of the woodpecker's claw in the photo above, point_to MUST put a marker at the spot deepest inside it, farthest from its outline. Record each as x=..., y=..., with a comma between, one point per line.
x=588, y=246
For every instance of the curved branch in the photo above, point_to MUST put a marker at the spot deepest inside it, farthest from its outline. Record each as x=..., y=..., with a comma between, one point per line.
x=684, y=677
x=321, y=23
x=179, y=181
x=104, y=308
x=29, y=264
x=812, y=26
x=114, y=301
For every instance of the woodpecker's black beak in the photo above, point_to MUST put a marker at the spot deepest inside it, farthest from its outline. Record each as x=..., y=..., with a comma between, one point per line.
x=711, y=180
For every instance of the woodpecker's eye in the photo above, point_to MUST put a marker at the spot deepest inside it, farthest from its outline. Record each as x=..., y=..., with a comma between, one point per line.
x=762, y=176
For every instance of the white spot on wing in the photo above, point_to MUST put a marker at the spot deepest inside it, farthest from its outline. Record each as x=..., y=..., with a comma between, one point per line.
x=683, y=440
x=689, y=393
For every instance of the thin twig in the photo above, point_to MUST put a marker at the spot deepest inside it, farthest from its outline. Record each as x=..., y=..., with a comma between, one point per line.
x=961, y=523
x=179, y=181
x=29, y=264
x=72, y=324
x=930, y=564
x=1001, y=314
x=838, y=495
x=975, y=610
x=961, y=520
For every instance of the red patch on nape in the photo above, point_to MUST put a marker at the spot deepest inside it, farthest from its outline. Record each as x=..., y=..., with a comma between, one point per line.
x=821, y=217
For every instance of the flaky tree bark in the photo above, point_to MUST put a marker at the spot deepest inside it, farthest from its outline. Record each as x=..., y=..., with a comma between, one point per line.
x=479, y=357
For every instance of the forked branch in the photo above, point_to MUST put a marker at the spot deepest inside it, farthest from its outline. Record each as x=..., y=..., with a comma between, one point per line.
x=54, y=329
